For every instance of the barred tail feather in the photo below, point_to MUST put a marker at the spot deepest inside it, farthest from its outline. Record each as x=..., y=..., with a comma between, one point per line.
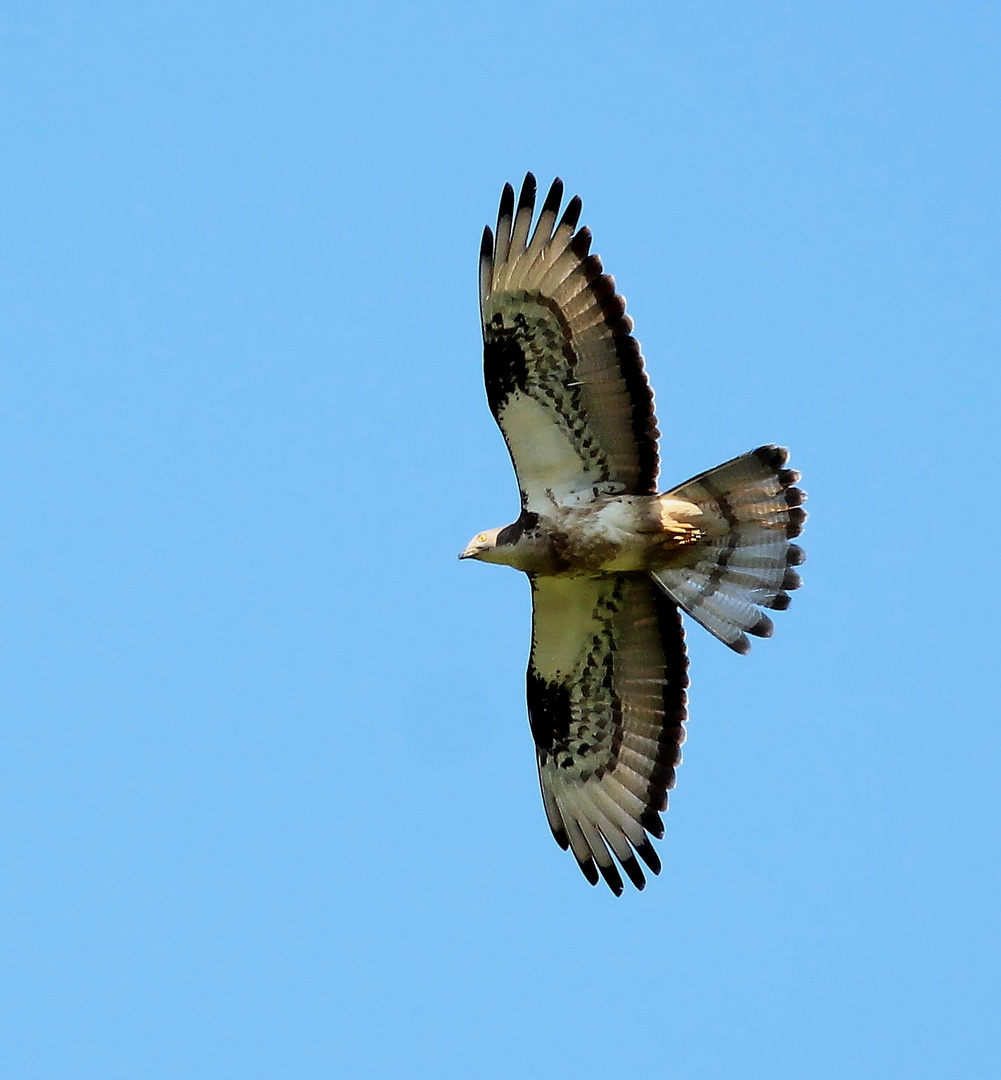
x=750, y=512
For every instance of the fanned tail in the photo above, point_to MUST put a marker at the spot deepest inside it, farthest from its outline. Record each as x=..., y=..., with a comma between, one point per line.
x=750, y=512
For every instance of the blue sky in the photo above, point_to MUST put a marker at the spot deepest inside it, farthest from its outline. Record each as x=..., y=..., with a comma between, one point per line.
x=269, y=806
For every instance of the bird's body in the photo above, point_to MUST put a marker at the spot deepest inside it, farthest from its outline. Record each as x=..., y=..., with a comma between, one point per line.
x=609, y=558
x=606, y=534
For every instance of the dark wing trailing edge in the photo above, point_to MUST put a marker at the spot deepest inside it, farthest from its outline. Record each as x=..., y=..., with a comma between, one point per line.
x=607, y=701
x=564, y=375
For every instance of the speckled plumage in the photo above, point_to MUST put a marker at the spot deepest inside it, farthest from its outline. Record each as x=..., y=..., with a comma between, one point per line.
x=609, y=559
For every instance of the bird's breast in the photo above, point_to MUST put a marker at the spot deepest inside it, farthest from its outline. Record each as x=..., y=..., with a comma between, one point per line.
x=614, y=534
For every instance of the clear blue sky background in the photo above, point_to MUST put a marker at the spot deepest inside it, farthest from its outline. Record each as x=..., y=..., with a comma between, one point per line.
x=268, y=797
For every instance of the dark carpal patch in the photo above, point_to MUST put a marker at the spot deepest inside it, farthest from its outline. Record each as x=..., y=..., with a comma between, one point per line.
x=536, y=358
x=549, y=713
x=505, y=365
x=577, y=723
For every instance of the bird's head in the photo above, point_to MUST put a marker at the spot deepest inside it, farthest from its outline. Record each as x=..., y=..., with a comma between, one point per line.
x=519, y=544
x=483, y=546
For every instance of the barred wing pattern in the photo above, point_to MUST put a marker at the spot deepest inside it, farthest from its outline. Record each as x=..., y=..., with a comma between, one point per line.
x=564, y=376
x=607, y=700
x=608, y=674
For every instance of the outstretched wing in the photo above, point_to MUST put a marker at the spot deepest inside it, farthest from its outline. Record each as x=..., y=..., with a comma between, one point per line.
x=564, y=374
x=607, y=703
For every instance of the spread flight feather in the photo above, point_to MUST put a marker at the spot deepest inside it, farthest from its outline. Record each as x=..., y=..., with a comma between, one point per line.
x=610, y=560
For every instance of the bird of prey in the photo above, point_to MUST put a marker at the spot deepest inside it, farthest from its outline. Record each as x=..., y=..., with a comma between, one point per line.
x=610, y=560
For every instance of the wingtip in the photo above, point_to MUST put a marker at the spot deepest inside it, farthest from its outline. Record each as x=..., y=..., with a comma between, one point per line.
x=506, y=207
x=526, y=200
x=571, y=215
x=581, y=246
x=649, y=855
x=554, y=198
x=589, y=870
x=634, y=873
x=651, y=820
x=612, y=878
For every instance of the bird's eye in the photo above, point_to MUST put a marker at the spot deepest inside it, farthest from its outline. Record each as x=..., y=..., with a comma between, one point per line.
x=482, y=538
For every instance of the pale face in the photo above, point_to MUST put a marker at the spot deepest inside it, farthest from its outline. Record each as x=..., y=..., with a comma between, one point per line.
x=481, y=546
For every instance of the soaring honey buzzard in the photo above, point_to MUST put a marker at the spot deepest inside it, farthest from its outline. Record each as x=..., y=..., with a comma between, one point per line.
x=611, y=561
